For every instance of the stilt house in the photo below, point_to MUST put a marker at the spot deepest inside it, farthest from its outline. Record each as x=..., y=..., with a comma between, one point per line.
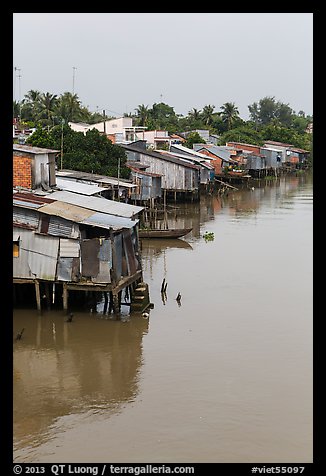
x=70, y=241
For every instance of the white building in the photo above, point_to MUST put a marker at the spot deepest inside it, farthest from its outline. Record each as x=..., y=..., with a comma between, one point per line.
x=119, y=130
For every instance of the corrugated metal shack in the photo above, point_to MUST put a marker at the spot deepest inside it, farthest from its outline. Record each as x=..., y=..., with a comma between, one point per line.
x=73, y=241
x=180, y=180
x=148, y=185
x=69, y=240
x=273, y=157
x=207, y=172
x=220, y=156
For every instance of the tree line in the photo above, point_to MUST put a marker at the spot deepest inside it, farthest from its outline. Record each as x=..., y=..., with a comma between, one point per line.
x=269, y=119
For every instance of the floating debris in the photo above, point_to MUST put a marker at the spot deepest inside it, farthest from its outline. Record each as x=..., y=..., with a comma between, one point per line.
x=19, y=335
x=208, y=236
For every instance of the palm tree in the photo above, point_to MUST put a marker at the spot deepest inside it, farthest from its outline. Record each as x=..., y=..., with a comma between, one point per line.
x=31, y=105
x=207, y=114
x=33, y=96
x=229, y=113
x=48, y=105
x=142, y=113
x=194, y=114
x=69, y=107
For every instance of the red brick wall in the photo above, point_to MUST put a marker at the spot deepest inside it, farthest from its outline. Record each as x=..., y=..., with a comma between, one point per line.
x=216, y=162
x=22, y=171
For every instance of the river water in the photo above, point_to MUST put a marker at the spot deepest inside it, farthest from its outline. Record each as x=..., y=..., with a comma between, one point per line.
x=223, y=377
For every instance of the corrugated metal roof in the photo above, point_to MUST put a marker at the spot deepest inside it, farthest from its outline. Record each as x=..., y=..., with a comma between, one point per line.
x=103, y=220
x=220, y=151
x=87, y=217
x=78, y=187
x=67, y=211
x=186, y=150
x=77, y=174
x=30, y=199
x=198, y=160
x=159, y=156
x=98, y=204
x=33, y=150
x=27, y=204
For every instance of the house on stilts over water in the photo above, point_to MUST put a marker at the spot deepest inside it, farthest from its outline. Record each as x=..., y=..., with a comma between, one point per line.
x=67, y=242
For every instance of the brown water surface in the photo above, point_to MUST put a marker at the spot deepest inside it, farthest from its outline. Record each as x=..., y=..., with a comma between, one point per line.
x=226, y=376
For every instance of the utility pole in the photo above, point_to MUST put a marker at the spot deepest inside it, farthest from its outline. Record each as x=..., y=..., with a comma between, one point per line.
x=61, y=158
x=19, y=87
x=104, y=124
x=118, y=179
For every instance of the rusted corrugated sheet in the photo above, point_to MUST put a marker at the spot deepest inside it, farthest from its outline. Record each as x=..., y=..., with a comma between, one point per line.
x=105, y=262
x=118, y=253
x=66, y=210
x=129, y=252
x=89, y=257
x=31, y=199
x=25, y=216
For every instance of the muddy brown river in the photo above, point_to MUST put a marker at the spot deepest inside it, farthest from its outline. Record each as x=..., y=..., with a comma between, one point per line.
x=224, y=376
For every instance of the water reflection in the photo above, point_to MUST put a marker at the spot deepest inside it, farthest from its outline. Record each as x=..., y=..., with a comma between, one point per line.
x=224, y=377
x=63, y=368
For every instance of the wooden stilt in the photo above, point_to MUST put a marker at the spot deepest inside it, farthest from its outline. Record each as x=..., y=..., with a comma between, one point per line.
x=106, y=300
x=111, y=302
x=38, y=296
x=65, y=297
x=47, y=295
x=115, y=299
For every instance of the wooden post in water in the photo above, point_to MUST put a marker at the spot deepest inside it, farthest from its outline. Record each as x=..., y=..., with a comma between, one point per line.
x=47, y=295
x=111, y=302
x=115, y=299
x=65, y=297
x=106, y=300
x=38, y=295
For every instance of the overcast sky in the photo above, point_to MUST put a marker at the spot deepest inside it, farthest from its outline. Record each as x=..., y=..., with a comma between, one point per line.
x=118, y=61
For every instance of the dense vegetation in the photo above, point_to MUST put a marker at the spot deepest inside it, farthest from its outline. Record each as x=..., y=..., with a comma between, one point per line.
x=269, y=120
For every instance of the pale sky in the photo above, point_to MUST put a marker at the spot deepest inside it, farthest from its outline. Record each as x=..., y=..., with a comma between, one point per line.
x=118, y=61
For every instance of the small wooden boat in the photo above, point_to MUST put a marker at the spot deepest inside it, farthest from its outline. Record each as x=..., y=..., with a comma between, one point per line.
x=169, y=233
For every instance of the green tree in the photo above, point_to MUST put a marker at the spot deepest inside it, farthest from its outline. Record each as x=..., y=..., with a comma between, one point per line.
x=42, y=138
x=207, y=114
x=48, y=103
x=244, y=134
x=91, y=152
x=229, y=114
x=193, y=138
x=279, y=133
x=69, y=107
x=142, y=114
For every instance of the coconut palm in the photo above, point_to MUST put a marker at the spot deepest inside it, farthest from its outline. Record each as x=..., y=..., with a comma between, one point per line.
x=194, y=114
x=207, y=114
x=229, y=113
x=69, y=107
x=48, y=106
x=142, y=114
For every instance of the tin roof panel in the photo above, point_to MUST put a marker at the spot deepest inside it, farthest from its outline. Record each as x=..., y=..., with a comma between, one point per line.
x=98, y=204
x=66, y=210
x=78, y=187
